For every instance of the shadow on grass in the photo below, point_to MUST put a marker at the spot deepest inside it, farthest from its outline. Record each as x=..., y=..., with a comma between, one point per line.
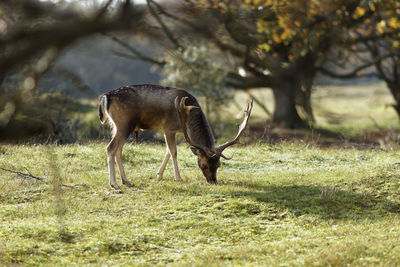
x=322, y=201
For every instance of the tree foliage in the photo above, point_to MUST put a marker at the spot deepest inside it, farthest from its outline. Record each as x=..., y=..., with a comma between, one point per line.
x=195, y=71
x=374, y=48
x=279, y=44
x=34, y=33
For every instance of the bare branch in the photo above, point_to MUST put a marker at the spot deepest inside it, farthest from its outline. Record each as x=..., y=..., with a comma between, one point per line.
x=103, y=10
x=28, y=175
x=164, y=27
x=372, y=37
x=259, y=103
x=235, y=80
x=74, y=185
x=206, y=32
x=24, y=175
x=23, y=44
x=137, y=55
x=355, y=72
x=374, y=50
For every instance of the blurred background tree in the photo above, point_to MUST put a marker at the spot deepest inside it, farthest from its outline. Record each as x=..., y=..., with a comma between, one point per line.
x=196, y=71
x=205, y=46
x=33, y=35
x=376, y=47
x=281, y=45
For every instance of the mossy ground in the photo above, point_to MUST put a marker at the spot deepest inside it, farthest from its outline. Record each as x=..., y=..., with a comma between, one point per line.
x=310, y=201
x=284, y=204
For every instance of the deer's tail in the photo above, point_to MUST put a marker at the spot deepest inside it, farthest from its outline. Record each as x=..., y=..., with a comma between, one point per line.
x=103, y=107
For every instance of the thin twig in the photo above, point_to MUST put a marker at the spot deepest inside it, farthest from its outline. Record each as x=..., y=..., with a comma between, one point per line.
x=37, y=178
x=375, y=122
x=137, y=54
x=164, y=27
x=74, y=185
x=24, y=175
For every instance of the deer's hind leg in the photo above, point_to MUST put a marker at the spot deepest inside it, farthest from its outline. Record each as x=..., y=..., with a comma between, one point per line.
x=171, y=144
x=118, y=158
x=160, y=171
x=114, y=153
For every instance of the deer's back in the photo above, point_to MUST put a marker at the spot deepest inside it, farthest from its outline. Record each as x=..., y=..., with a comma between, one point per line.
x=146, y=107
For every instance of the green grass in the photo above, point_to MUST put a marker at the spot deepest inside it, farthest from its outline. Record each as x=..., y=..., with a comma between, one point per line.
x=349, y=111
x=282, y=204
x=286, y=204
x=353, y=110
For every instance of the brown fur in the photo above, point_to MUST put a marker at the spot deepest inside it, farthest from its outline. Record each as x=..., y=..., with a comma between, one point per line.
x=153, y=107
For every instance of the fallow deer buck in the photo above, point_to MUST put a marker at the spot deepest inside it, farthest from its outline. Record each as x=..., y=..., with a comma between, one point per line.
x=154, y=107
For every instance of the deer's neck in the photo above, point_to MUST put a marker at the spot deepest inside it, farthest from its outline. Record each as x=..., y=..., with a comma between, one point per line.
x=199, y=129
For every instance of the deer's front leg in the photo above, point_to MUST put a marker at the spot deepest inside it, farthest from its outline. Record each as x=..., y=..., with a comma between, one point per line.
x=171, y=143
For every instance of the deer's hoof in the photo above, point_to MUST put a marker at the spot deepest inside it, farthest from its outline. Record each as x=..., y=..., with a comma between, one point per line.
x=127, y=183
x=115, y=186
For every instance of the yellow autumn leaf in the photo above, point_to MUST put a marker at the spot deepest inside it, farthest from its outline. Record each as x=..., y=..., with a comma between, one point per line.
x=281, y=21
x=394, y=23
x=284, y=35
x=359, y=12
x=262, y=26
x=372, y=7
x=265, y=47
x=380, y=27
x=276, y=38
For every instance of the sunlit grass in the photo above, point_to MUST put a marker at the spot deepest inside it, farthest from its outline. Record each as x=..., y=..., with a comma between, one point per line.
x=284, y=204
x=345, y=110
x=288, y=203
x=353, y=110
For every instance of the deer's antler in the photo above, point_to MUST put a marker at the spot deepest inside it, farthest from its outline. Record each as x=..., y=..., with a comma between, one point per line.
x=242, y=126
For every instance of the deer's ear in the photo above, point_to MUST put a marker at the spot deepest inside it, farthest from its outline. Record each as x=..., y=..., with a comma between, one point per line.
x=196, y=151
x=189, y=108
x=183, y=107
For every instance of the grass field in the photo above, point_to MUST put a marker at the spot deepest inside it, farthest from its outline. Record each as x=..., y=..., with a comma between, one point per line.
x=281, y=203
x=350, y=110
x=285, y=204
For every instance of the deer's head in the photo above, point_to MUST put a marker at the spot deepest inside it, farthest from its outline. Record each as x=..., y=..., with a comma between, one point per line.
x=208, y=163
x=200, y=139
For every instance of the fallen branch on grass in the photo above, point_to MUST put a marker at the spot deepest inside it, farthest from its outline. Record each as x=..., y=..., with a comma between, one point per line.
x=74, y=185
x=24, y=175
x=38, y=178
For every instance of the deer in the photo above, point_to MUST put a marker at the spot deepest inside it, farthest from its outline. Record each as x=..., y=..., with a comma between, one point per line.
x=129, y=109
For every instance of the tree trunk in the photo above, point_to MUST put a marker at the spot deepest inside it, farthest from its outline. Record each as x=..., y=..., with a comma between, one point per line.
x=395, y=90
x=285, y=112
x=292, y=93
x=396, y=107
